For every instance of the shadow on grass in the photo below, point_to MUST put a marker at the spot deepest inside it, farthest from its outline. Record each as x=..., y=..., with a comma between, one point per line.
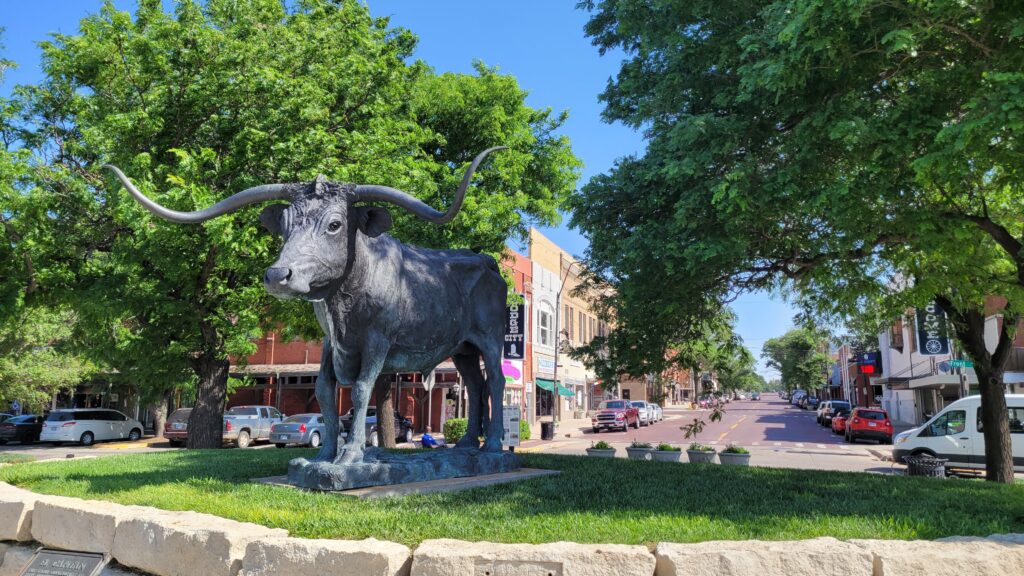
x=610, y=500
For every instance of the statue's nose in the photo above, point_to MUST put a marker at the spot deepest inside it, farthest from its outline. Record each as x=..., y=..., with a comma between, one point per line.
x=277, y=275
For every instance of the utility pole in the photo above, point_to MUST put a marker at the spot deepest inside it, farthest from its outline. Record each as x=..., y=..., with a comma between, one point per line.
x=557, y=403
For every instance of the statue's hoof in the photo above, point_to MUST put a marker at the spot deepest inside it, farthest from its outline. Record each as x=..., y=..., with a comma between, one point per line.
x=491, y=446
x=349, y=456
x=467, y=442
x=326, y=454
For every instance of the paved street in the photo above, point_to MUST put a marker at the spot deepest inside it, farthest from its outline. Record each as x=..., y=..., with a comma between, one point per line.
x=777, y=434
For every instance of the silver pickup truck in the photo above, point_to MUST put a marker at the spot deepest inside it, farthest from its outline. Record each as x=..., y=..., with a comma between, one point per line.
x=244, y=425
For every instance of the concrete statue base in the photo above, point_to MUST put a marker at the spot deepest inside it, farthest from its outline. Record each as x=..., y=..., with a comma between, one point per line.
x=380, y=468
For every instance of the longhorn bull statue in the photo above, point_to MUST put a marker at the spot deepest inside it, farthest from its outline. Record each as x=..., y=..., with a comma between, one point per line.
x=384, y=307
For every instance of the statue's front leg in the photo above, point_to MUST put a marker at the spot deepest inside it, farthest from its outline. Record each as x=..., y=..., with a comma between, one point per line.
x=373, y=362
x=327, y=397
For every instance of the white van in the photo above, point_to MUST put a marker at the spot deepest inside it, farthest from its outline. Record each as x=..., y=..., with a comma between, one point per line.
x=956, y=434
x=88, y=426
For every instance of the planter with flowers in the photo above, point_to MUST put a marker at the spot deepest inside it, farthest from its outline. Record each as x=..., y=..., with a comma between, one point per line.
x=639, y=450
x=601, y=450
x=735, y=455
x=700, y=454
x=667, y=453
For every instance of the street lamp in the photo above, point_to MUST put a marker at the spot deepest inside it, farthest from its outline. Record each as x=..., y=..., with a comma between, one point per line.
x=557, y=403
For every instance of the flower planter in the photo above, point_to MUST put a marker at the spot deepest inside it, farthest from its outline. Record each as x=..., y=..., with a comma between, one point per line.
x=639, y=453
x=700, y=456
x=601, y=452
x=734, y=459
x=667, y=455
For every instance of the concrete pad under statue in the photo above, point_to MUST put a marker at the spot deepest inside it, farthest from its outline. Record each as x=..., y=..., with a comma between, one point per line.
x=382, y=468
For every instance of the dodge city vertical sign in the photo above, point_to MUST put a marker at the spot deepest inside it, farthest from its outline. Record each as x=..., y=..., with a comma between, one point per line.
x=515, y=332
x=932, y=331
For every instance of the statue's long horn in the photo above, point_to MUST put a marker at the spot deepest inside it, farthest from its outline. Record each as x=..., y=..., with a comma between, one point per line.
x=372, y=193
x=244, y=198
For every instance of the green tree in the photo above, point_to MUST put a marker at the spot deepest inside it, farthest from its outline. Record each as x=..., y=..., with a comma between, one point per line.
x=219, y=96
x=855, y=152
x=799, y=356
x=37, y=358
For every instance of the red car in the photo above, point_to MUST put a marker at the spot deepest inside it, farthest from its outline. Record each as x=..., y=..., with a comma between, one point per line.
x=617, y=414
x=176, y=427
x=870, y=423
x=839, y=421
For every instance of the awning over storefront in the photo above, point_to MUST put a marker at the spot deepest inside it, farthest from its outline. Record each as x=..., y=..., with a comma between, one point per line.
x=550, y=385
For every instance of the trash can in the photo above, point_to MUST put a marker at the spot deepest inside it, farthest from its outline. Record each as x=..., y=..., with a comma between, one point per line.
x=547, y=430
x=926, y=466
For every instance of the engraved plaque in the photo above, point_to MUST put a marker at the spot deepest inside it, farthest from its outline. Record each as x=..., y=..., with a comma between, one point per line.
x=47, y=562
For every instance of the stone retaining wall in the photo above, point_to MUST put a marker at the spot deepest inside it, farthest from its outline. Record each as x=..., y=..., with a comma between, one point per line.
x=165, y=543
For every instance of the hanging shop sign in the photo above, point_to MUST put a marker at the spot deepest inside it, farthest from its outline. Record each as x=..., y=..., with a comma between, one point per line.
x=515, y=332
x=932, y=331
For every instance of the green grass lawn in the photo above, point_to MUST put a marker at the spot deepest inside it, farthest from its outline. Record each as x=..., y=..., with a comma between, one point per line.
x=14, y=458
x=593, y=500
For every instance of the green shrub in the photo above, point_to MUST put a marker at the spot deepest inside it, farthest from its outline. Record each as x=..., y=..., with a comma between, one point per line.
x=734, y=449
x=636, y=444
x=454, y=430
x=602, y=445
x=700, y=448
x=524, y=430
x=663, y=447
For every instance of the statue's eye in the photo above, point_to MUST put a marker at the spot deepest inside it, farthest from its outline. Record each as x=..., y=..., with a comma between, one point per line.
x=334, y=226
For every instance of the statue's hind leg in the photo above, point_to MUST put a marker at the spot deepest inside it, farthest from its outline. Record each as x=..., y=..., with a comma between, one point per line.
x=495, y=389
x=468, y=366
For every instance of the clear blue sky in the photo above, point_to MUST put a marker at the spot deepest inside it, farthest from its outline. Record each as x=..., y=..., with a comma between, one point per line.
x=541, y=43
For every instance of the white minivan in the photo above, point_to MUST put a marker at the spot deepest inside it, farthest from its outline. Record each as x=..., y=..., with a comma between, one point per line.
x=956, y=434
x=89, y=425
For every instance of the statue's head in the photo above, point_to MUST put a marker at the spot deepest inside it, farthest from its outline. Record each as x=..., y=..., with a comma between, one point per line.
x=320, y=224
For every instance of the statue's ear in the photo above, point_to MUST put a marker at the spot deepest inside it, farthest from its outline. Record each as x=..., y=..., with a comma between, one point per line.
x=271, y=218
x=373, y=220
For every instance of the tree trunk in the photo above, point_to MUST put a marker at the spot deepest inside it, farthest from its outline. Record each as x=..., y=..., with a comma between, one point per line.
x=159, y=413
x=206, y=423
x=385, y=411
x=989, y=367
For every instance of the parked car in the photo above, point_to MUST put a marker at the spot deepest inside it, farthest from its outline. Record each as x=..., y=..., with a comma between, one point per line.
x=176, y=427
x=645, y=413
x=796, y=396
x=4, y=416
x=659, y=413
x=298, y=430
x=956, y=433
x=24, y=429
x=827, y=408
x=870, y=423
x=839, y=420
x=88, y=426
x=403, y=426
x=811, y=403
x=615, y=414
x=755, y=395
x=244, y=425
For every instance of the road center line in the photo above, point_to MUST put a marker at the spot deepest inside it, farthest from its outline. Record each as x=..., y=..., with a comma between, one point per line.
x=723, y=435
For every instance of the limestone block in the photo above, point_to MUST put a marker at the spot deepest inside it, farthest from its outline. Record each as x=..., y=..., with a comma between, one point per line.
x=75, y=524
x=16, y=513
x=185, y=543
x=816, y=557
x=458, y=558
x=301, y=557
x=14, y=558
x=950, y=557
